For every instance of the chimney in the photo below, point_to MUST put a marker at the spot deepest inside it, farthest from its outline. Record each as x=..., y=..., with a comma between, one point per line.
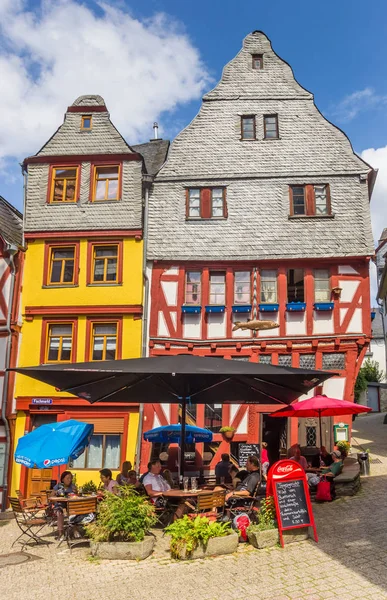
x=155, y=131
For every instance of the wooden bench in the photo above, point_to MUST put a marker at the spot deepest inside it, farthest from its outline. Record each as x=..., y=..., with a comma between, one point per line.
x=348, y=482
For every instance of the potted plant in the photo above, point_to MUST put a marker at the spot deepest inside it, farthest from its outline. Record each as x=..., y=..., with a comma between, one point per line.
x=121, y=530
x=199, y=537
x=344, y=448
x=264, y=533
x=227, y=433
x=89, y=488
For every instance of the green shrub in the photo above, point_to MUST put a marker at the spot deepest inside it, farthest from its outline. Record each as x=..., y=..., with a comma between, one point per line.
x=343, y=446
x=266, y=516
x=227, y=429
x=89, y=487
x=124, y=518
x=188, y=533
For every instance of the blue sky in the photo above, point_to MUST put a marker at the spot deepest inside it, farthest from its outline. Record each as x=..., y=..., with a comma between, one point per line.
x=152, y=60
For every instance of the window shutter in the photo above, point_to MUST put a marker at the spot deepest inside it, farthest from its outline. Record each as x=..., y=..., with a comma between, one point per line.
x=206, y=204
x=106, y=424
x=309, y=199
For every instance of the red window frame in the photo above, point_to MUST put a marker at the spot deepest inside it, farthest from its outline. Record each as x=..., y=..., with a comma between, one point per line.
x=48, y=247
x=90, y=322
x=105, y=163
x=206, y=203
x=309, y=195
x=90, y=262
x=64, y=165
x=46, y=322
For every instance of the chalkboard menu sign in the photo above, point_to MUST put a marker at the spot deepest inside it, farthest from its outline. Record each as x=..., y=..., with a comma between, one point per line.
x=246, y=450
x=292, y=504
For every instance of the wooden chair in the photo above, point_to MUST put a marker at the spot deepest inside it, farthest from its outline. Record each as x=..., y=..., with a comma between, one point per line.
x=210, y=505
x=247, y=504
x=27, y=519
x=79, y=507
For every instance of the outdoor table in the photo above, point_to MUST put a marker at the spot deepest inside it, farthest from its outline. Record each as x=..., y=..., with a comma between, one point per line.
x=182, y=493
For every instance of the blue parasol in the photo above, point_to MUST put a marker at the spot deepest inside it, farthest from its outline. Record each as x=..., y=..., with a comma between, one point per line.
x=172, y=434
x=54, y=444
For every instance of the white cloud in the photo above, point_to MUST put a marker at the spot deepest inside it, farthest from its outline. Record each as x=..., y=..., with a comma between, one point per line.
x=362, y=100
x=64, y=50
x=377, y=158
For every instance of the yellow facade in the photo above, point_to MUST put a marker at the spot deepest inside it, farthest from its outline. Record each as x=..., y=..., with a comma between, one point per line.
x=36, y=294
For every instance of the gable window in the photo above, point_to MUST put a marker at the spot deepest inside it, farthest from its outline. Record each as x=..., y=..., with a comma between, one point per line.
x=86, y=122
x=270, y=126
x=242, y=287
x=295, y=285
x=322, y=288
x=105, y=263
x=64, y=184
x=104, y=341
x=248, y=127
x=103, y=452
x=310, y=200
x=61, y=270
x=59, y=342
x=106, y=183
x=257, y=63
x=218, y=288
x=268, y=286
x=206, y=203
x=193, y=287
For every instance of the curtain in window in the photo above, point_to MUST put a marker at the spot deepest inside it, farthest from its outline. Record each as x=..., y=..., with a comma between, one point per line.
x=94, y=452
x=112, y=452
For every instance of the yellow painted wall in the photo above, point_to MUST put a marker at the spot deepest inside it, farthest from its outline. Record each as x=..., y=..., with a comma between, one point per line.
x=16, y=469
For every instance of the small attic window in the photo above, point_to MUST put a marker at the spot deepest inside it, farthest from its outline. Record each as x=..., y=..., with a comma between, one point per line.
x=86, y=122
x=257, y=61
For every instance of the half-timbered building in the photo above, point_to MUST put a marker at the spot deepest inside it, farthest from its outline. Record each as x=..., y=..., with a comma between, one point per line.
x=260, y=214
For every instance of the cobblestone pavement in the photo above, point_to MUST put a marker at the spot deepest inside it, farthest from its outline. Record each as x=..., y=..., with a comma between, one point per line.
x=348, y=562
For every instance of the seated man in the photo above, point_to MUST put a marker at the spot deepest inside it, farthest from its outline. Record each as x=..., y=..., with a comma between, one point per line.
x=247, y=487
x=155, y=483
x=298, y=458
x=330, y=472
x=325, y=457
x=222, y=470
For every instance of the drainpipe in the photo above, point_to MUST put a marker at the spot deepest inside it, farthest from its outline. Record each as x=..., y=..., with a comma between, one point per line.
x=11, y=250
x=144, y=332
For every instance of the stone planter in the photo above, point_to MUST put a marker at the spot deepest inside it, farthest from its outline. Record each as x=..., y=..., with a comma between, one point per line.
x=263, y=539
x=123, y=550
x=215, y=547
x=295, y=535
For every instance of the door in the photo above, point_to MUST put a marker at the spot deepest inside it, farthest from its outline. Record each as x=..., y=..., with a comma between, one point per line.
x=39, y=479
x=373, y=398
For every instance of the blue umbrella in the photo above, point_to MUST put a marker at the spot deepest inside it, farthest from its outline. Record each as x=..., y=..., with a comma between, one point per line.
x=54, y=444
x=172, y=434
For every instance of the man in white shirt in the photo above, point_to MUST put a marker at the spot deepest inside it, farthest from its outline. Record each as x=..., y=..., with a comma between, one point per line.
x=154, y=482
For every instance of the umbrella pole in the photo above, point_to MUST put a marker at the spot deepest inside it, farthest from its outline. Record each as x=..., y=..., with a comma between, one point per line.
x=320, y=428
x=182, y=438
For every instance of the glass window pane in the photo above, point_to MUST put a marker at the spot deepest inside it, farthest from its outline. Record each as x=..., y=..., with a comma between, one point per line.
x=66, y=349
x=322, y=291
x=94, y=452
x=213, y=417
x=58, y=191
x=106, y=251
x=99, y=270
x=98, y=348
x=192, y=289
x=68, y=271
x=56, y=330
x=70, y=190
x=113, y=189
x=56, y=271
x=107, y=172
x=112, y=452
x=111, y=274
x=63, y=253
x=86, y=122
x=105, y=329
x=242, y=294
x=100, y=190
x=53, y=351
x=79, y=463
x=295, y=285
x=111, y=344
x=269, y=286
x=194, y=211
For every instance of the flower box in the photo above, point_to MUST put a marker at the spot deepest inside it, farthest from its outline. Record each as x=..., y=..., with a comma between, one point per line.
x=123, y=550
x=241, y=308
x=211, y=308
x=268, y=307
x=323, y=305
x=216, y=546
x=193, y=310
x=296, y=306
x=263, y=539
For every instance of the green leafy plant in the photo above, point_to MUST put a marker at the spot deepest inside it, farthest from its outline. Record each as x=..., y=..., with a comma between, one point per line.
x=266, y=516
x=89, y=487
x=227, y=429
x=189, y=533
x=343, y=446
x=370, y=371
x=124, y=518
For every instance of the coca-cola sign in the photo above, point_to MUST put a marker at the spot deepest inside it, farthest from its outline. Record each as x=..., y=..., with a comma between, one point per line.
x=287, y=469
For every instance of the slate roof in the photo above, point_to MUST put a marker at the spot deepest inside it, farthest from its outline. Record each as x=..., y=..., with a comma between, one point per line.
x=11, y=223
x=377, y=325
x=154, y=153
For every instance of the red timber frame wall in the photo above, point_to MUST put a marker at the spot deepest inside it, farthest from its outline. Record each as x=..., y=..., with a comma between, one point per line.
x=344, y=331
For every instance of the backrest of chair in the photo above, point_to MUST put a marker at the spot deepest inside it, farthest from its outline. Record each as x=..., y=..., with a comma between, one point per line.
x=19, y=494
x=15, y=505
x=219, y=499
x=210, y=501
x=83, y=506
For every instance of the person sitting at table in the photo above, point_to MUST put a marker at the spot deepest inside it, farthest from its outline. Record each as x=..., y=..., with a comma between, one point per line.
x=63, y=488
x=298, y=458
x=109, y=484
x=292, y=450
x=330, y=472
x=142, y=477
x=246, y=488
x=154, y=482
x=325, y=457
x=123, y=477
x=222, y=469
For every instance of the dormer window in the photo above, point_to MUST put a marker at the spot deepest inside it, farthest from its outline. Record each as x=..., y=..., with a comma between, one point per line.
x=257, y=62
x=86, y=122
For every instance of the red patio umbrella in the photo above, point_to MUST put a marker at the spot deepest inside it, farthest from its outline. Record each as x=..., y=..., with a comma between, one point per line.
x=320, y=406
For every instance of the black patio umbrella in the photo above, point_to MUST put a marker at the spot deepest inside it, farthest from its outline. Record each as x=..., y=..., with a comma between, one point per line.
x=179, y=379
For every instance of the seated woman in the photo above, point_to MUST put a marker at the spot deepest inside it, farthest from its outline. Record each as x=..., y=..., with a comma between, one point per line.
x=123, y=477
x=330, y=472
x=63, y=488
x=109, y=484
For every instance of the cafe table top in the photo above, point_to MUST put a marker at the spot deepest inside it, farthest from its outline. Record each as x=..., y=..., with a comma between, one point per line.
x=68, y=498
x=183, y=494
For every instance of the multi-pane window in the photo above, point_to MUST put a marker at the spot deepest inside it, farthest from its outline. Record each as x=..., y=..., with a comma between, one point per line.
x=322, y=288
x=103, y=452
x=265, y=359
x=106, y=183
x=213, y=417
x=242, y=287
x=218, y=288
x=64, y=184
x=257, y=62
x=268, y=286
x=270, y=126
x=86, y=122
x=206, y=203
x=248, y=127
x=104, y=341
x=311, y=435
x=105, y=264
x=295, y=285
x=59, y=342
x=193, y=287
x=310, y=200
x=333, y=360
x=61, y=269
x=307, y=361
x=285, y=360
